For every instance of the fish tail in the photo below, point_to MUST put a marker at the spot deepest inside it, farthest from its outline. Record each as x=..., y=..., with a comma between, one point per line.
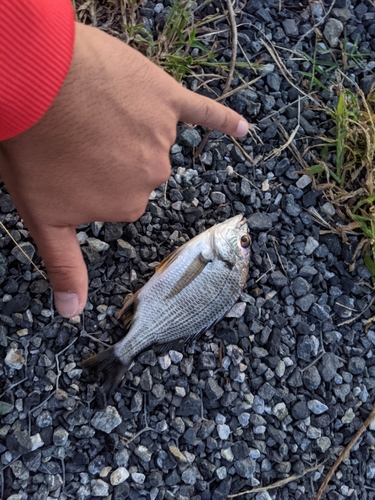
x=109, y=363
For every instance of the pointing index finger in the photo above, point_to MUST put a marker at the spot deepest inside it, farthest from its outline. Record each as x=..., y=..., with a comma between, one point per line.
x=204, y=111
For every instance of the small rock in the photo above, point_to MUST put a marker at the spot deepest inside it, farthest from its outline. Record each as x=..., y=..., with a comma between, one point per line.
x=138, y=477
x=311, y=245
x=98, y=245
x=143, y=453
x=99, y=488
x=356, y=365
x=332, y=31
x=280, y=411
x=190, y=137
x=323, y=443
x=259, y=222
x=303, y=181
x=218, y=197
x=118, y=476
x=177, y=454
x=348, y=416
x=24, y=248
x=330, y=363
x=290, y=28
x=60, y=437
x=223, y=431
x=125, y=249
x=237, y=311
x=106, y=420
x=164, y=361
x=311, y=378
x=189, y=476
x=14, y=359
x=245, y=468
x=213, y=390
x=300, y=287
x=300, y=410
x=317, y=407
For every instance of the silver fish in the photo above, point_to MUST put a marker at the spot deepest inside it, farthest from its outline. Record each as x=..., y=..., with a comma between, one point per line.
x=191, y=290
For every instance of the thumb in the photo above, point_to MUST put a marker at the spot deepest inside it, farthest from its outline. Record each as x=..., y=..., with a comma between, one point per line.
x=201, y=110
x=62, y=256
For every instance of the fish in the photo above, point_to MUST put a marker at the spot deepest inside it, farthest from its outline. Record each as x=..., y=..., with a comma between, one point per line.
x=191, y=290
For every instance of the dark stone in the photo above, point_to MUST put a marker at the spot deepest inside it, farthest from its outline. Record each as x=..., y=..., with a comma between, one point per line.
x=259, y=222
x=213, y=391
x=19, y=303
x=267, y=392
x=300, y=287
x=274, y=342
x=240, y=450
x=112, y=231
x=278, y=279
x=245, y=467
x=311, y=378
x=300, y=410
x=192, y=214
x=303, y=328
x=207, y=361
x=191, y=405
x=329, y=365
x=356, y=365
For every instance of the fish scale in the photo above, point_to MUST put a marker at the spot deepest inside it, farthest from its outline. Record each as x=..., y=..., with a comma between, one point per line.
x=191, y=290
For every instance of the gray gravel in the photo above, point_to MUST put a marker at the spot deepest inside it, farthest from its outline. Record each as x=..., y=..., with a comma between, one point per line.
x=282, y=384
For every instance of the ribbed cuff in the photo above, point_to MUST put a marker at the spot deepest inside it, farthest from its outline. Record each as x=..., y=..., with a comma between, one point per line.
x=36, y=48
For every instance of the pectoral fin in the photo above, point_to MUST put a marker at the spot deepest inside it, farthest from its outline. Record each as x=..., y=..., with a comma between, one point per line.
x=194, y=270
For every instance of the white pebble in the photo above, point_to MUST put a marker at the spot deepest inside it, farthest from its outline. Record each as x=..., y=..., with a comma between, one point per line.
x=119, y=475
x=164, y=362
x=138, y=477
x=237, y=311
x=223, y=431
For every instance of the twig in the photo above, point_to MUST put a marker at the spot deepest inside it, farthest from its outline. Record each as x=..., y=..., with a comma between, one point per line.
x=85, y=334
x=13, y=386
x=344, y=454
x=358, y=315
x=282, y=482
x=24, y=253
x=278, y=151
x=128, y=441
x=233, y=27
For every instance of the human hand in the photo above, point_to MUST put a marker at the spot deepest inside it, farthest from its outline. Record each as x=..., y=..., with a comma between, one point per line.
x=98, y=152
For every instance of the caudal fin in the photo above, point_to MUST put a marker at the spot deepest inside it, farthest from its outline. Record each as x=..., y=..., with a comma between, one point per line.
x=113, y=368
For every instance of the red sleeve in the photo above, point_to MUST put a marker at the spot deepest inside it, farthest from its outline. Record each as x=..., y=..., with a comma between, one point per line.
x=36, y=47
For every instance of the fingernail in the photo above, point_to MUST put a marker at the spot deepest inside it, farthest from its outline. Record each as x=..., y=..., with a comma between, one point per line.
x=67, y=304
x=242, y=129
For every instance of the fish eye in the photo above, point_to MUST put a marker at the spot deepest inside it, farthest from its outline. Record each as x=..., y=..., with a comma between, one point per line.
x=245, y=241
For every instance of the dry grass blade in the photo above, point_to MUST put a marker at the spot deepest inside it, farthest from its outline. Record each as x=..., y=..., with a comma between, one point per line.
x=24, y=253
x=278, y=484
x=297, y=155
x=277, y=152
x=344, y=454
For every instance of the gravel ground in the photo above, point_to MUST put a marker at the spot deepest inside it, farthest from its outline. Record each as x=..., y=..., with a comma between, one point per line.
x=297, y=374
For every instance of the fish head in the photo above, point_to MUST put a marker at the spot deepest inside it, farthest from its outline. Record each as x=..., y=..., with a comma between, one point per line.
x=231, y=241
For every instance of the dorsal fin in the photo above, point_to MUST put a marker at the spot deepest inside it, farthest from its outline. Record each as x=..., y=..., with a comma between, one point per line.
x=168, y=260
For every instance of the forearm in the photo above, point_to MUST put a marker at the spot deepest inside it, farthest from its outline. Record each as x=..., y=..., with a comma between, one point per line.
x=36, y=47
